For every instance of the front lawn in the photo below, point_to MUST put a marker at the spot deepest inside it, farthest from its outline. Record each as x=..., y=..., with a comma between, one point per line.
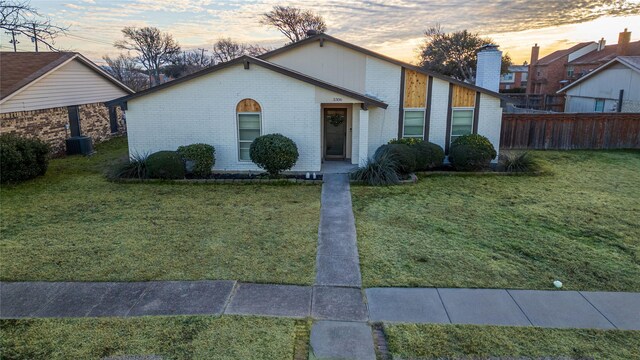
x=580, y=225
x=484, y=342
x=178, y=337
x=74, y=225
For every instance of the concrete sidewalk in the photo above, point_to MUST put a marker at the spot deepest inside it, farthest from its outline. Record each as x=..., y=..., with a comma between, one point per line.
x=542, y=308
x=550, y=309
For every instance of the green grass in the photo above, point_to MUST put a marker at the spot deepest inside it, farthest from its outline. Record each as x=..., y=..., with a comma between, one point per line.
x=73, y=224
x=178, y=337
x=580, y=225
x=481, y=342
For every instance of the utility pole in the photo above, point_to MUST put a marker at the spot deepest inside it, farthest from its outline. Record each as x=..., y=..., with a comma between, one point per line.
x=35, y=36
x=202, y=51
x=13, y=40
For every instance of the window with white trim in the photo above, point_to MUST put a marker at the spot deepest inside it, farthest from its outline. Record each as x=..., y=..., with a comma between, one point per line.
x=413, y=124
x=461, y=123
x=248, y=129
x=599, y=105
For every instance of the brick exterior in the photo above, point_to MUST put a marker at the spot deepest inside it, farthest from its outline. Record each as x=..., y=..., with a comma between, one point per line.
x=49, y=124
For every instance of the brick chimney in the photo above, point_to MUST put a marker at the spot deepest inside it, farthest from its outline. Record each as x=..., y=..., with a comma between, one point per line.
x=488, y=68
x=535, y=52
x=623, y=43
x=601, y=44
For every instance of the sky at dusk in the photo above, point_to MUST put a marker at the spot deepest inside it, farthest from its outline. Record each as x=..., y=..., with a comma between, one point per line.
x=391, y=27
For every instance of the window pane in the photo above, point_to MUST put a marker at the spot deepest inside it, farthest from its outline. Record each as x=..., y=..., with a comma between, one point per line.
x=413, y=123
x=248, y=130
x=249, y=121
x=461, y=123
x=249, y=135
x=244, y=150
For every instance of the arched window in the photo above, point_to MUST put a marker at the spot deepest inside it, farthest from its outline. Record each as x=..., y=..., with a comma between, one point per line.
x=249, y=126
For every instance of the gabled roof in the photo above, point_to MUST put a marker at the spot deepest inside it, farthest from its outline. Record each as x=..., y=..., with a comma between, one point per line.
x=325, y=37
x=20, y=69
x=246, y=59
x=632, y=62
x=560, y=53
x=606, y=54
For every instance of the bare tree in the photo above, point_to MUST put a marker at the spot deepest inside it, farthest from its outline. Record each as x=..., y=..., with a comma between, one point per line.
x=154, y=48
x=18, y=17
x=187, y=63
x=126, y=69
x=454, y=54
x=228, y=49
x=257, y=50
x=293, y=22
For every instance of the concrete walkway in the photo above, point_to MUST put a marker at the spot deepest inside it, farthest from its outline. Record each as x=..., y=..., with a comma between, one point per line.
x=337, y=262
x=551, y=309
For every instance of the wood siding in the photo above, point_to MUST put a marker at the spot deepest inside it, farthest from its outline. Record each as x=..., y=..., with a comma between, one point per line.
x=248, y=105
x=570, y=131
x=72, y=84
x=463, y=97
x=415, y=89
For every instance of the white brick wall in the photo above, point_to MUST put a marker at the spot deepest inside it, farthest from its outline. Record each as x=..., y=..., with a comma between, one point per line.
x=439, y=106
x=204, y=110
x=490, y=119
x=382, y=82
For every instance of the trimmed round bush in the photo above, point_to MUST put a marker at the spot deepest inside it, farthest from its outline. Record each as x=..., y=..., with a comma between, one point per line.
x=22, y=158
x=165, y=165
x=402, y=154
x=274, y=152
x=471, y=153
x=429, y=155
x=198, y=159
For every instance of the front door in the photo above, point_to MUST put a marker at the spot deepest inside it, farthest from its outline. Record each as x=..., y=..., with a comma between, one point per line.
x=335, y=133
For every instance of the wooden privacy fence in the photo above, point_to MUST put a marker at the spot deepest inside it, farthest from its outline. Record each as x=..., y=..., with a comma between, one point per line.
x=570, y=131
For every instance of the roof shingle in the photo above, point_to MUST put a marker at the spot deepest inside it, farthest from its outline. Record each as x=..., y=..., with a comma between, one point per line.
x=17, y=69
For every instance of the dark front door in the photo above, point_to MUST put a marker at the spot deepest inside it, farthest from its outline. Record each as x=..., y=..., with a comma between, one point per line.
x=335, y=133
x=74, y=120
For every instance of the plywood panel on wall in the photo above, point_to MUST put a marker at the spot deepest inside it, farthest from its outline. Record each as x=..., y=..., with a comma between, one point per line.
x=463, y=97
x=415, y=89
x=248, y=105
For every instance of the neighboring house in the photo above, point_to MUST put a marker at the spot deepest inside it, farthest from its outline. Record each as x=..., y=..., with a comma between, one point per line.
x=613, y=87
x=57, y=95
x=546, y=74
x=515, y=80
x=296, y=90
x=558, y=69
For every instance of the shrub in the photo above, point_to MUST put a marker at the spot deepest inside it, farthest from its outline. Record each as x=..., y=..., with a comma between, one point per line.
x=165, y=165
x=429, y=155
x=202, y=156
x=403, y=155
x=471, y=152
x=22, y=158
x=274, y=152
x=406, y=141
x=378, y=171
x=133, y=168
x=519, y=162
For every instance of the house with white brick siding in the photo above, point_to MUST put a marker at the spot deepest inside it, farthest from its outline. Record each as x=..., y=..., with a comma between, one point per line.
x=57, y=95
x=336, y=100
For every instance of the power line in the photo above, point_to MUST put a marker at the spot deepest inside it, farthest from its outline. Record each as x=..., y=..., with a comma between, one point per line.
x=76, y=37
